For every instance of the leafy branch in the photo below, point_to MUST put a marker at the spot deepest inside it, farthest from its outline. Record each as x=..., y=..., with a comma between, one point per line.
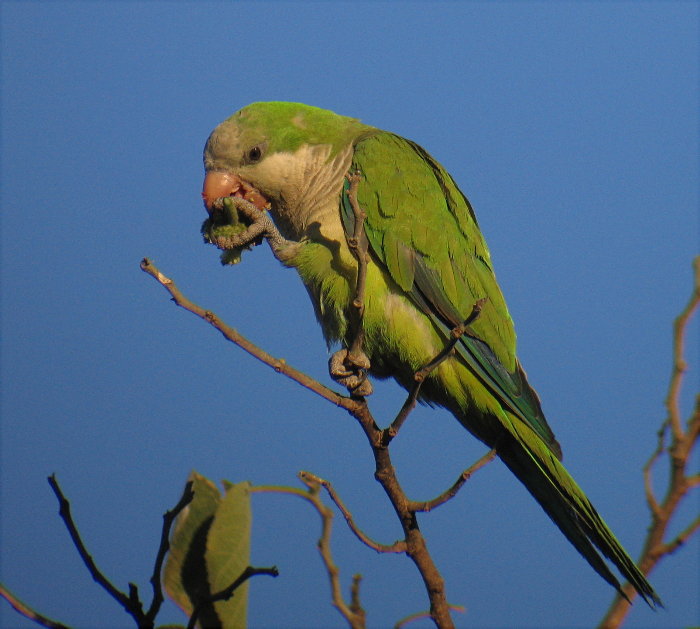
x=677, y=454
x=131, y=602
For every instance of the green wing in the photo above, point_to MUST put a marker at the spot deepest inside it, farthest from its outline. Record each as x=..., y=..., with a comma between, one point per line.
x=422, y=229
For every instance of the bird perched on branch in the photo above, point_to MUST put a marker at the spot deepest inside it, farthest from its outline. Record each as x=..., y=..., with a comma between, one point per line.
x=427, y=268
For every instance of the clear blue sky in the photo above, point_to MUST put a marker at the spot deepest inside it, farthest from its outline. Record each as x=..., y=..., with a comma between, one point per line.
x=573, y=129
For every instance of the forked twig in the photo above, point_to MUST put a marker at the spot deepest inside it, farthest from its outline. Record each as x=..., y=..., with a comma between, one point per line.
x=652, y=502
x=682, y=538
x=131, y=603
x=452, y=491
x=396, y=547
x=683, y=439
x=353, y=613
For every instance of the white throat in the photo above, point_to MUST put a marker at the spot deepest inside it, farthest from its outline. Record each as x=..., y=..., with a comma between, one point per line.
x=310, y=190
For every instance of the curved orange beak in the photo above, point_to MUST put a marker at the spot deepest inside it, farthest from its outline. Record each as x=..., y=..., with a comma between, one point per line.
x=219, y=184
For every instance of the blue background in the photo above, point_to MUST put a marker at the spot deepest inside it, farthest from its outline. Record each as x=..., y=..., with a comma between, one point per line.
x=573, y=129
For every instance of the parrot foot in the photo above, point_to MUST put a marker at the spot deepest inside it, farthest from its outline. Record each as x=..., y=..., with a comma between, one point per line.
x=261, y=226
x=350, y=371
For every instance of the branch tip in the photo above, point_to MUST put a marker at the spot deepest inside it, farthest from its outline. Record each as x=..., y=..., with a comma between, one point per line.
x=678, y=451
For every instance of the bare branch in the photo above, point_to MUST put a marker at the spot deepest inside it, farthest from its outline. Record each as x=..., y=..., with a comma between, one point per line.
x=130, y=603
x=230, y=334
x=355, y=606
x=457, y=333
x=353, y=614
x=349, y=366
x=28, y=612
x=680, y=539
x=396, y=547
x=679, y=451
x=679, y=364
x=416, y=548
x=647, y=470
x=452, y=491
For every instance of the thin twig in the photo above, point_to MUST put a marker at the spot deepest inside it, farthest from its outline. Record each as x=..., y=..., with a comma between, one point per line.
x=679, y=364
x=228, y=592
x=168, y=519
x=423, y=615
x=456, y=334
x=452, y=491
x=396, y=547
x=680, y=539
x=420, y=375
x=353, y=614
x=131, y=603
x=355, y=605
x=28, y=612
x=679, y=452
x=232, y=335
x=653, y=503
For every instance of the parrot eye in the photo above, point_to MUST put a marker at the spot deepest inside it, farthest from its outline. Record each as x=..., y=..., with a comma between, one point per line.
x=254, y=154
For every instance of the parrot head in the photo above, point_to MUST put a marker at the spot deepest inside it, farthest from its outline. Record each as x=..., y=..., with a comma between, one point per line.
x=272, y=153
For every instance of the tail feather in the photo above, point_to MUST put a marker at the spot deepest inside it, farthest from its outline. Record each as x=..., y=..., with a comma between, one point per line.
x=565, y=503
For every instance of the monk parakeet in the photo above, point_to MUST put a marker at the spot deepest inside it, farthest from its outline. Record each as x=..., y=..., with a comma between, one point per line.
x=428, y=267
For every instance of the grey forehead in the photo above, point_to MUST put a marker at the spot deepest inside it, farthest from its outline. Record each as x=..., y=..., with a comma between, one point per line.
x=222, y=145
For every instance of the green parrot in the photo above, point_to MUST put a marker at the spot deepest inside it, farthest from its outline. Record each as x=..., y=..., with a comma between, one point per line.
x=428, y=267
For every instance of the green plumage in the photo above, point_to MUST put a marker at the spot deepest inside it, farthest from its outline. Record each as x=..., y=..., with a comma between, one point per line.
x=429, y=266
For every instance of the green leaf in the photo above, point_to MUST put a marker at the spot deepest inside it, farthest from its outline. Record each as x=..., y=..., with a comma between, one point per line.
x=209, y=549
x=185, y=574
x=228, y=552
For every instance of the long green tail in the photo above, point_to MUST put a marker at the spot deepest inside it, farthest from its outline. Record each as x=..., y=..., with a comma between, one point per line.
x=569, y=508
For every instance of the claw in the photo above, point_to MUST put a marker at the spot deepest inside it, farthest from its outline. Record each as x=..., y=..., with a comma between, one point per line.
x=350, y=371
x=363, y=389
x=336, y=365
x=360, y=360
